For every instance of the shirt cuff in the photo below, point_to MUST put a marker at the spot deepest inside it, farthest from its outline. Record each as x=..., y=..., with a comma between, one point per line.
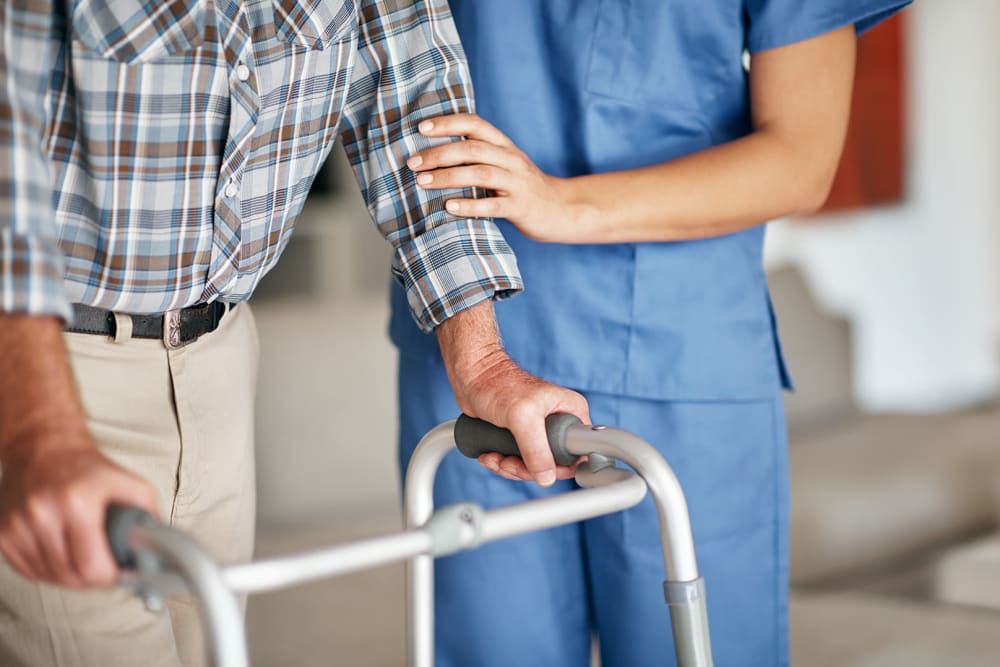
x=453, y=267
x=31, y=277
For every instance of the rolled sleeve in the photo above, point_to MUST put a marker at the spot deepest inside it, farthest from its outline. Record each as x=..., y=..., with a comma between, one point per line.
x=31, y=264
x=410, y=67
x=454, y=266
x=776, y=23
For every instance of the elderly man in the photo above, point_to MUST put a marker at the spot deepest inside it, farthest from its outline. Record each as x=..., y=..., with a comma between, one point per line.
x=154, y=157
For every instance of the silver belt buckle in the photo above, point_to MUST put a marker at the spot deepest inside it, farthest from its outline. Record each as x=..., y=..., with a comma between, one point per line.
x=172, y=330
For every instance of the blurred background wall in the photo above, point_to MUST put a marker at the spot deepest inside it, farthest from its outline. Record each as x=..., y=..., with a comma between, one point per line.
x=918, y=281
x=890, y=318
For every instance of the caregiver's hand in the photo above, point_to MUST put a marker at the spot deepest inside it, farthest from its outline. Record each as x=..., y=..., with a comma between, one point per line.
x=538, y=204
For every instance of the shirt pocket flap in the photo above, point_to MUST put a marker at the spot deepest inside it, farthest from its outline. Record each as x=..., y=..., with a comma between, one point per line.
x=138, y=30
x=315, y=24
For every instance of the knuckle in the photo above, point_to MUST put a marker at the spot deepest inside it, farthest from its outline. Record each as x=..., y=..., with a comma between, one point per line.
x=475, y=150
x=520, y=410
x=483, y=173
x=75, y=498
x=96, y=572
x=37, y=507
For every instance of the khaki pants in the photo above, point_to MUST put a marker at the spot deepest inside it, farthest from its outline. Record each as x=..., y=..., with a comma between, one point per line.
x=183, y=420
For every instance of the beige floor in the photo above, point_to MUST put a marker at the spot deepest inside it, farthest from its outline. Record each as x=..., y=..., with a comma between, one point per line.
x=357, y=620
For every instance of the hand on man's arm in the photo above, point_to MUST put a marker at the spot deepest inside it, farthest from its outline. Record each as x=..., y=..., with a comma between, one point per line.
x=55, y=486
x=490, y=386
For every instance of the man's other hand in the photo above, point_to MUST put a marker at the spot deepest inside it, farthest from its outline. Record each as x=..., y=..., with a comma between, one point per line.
x=53, y=501
x=55, y=486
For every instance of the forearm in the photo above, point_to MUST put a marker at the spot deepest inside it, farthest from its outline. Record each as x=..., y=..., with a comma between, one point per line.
x=800, y=99
x=469, y=342
x=717, y=191
x=38, y=399
x=444, y=263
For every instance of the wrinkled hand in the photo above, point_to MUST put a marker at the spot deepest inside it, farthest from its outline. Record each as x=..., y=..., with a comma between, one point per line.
x=505, y=395
x=53, y=501
x=539, y=205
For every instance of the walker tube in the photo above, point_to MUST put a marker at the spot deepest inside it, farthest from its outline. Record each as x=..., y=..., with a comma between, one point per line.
x=225, y=634
x=684, y=587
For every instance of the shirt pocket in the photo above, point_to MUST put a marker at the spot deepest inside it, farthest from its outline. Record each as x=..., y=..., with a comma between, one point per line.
x=315, y=24
x=668, y=52
x=140, y=30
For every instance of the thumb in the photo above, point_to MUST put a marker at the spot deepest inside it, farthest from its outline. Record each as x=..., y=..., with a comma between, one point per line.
x=533, y=442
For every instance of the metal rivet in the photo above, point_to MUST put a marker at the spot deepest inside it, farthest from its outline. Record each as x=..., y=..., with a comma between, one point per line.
x=597, y=428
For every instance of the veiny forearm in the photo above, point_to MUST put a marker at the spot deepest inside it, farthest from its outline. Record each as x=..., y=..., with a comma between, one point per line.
x=469, y=342
x=714, y=192
x=38, y=399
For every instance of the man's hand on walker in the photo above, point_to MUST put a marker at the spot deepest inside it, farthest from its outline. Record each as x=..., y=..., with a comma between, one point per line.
x=490, y=386
x=55, y=485
x=53, y=502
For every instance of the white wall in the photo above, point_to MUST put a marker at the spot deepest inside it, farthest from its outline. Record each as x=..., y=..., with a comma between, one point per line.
x=919, y=281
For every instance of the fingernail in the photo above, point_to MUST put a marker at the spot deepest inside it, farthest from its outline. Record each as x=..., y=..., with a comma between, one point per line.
x=452, y=206
x=424, y=179
x=414, y=162
x=547, y=478
x=426, y=126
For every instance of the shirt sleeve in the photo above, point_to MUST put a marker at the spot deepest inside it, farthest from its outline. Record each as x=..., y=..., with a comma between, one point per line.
x=31, y=263
x=774, y=23
x=410, y=67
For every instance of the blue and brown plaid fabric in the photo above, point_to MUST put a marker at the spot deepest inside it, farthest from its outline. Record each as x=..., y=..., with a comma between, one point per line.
x=155, y=154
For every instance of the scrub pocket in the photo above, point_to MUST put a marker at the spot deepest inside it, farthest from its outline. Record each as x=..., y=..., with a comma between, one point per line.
x=675, y=52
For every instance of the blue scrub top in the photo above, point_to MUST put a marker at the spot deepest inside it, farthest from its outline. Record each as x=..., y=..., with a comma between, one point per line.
x=588, y=86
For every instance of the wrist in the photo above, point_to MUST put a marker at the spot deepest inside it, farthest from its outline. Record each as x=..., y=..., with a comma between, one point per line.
x=32, y=445
x=40, y=411
x=582, y=216
x=470, y=345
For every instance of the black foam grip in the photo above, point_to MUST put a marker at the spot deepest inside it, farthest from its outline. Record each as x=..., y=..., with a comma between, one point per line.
x=119, y=523
x=475, y=437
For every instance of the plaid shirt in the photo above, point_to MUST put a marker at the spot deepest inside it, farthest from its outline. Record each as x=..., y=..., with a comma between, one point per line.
x=155, y=154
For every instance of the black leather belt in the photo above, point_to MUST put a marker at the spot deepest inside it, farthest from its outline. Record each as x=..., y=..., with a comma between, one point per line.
x=176, y=328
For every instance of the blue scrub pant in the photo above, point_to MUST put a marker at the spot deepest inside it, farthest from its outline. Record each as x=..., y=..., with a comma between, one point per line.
x=534, y=600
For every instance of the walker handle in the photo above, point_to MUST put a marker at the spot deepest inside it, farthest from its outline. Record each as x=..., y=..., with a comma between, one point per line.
x=475, y=437
x=119, y=523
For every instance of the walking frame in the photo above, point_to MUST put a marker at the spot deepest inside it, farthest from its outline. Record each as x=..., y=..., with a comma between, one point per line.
x=162, y=561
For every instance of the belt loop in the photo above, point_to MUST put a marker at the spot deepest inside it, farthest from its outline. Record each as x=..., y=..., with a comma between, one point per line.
x=123, y=327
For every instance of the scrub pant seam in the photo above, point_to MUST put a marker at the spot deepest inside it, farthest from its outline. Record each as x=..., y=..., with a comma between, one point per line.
x=781, y=635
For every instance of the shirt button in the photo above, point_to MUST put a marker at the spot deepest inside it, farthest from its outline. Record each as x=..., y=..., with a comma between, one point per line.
x=242, y=72
x=231, y=189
